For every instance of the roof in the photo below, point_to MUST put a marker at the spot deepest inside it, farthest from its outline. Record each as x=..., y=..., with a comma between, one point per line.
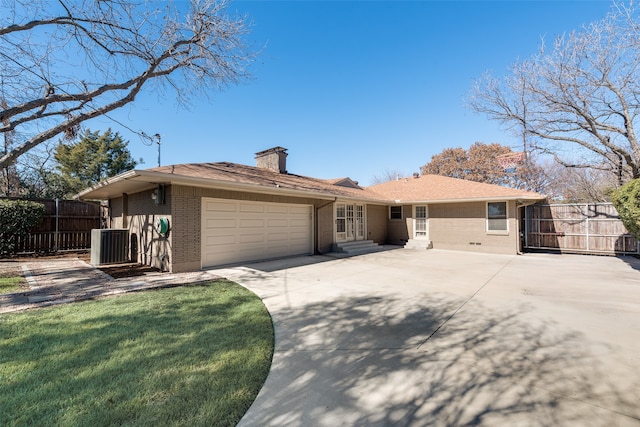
x=233, y=176
x=229, y=176
x=343, y=182
x=436, y=188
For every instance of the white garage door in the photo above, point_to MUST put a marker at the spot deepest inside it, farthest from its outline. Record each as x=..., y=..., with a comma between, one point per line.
x=237, y=231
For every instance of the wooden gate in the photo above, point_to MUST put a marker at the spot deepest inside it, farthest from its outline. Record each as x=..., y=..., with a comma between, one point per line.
x=580, y=228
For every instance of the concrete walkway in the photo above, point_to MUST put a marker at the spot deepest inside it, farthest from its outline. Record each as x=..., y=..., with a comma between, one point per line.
x=60, y=281
x=439, y=338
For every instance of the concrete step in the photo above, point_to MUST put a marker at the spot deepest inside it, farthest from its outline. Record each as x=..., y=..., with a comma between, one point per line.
x=418, y=244
x=357, y=247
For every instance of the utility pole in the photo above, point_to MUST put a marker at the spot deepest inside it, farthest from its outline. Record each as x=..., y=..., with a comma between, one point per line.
x=157, y=136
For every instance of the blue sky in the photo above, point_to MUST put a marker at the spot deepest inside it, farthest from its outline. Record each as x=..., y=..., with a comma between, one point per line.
x=354, y=88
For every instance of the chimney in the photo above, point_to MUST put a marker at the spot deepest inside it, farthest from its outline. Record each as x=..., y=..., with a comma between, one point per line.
x=274, y=159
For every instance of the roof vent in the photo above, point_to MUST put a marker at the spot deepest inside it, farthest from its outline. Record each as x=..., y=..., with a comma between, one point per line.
x=416, y=175
x=274, y=159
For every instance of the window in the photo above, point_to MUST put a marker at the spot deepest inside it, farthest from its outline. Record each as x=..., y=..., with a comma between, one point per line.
x=497, y=216
x=395, y=212
x=341, y=222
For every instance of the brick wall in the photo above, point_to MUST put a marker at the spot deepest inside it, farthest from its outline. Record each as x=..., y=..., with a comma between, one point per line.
x=462, y=226
x=324, y=230
x=115, y=213
x=398, y=230
x=377, y=223
x=146, y=245
x=186, y=212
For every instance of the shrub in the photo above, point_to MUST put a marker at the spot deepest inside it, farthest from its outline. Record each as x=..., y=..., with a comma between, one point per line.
x=627, y=202
x=17, y=217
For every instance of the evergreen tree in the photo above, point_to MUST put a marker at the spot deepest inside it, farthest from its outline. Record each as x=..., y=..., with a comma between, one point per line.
x=94, y=158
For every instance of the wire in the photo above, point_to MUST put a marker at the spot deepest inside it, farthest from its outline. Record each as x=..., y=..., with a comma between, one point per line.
x=146, y=139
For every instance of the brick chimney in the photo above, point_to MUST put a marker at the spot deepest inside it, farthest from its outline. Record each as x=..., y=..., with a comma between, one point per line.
x=274, y=159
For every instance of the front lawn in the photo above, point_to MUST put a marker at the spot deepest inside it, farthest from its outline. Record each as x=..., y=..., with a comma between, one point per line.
x=195, y=355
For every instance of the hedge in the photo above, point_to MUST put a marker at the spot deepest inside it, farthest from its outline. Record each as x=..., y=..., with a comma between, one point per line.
x=627, y=202
x=17, y=217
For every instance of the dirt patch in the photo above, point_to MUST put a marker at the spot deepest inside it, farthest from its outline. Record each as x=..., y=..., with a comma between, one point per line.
x=83, y=255
x=114, y=270
x=128, y=270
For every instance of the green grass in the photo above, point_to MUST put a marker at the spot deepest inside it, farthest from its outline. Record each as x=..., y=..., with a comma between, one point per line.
x=188, y=356
x=11, y=281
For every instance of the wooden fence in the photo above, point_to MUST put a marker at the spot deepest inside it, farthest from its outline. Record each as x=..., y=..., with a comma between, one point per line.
x=580, y=228
x=66, y=225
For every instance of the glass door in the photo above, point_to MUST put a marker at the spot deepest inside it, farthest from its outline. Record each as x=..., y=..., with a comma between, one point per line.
x=341, y=222
x=359, y=222
x=420, y=230
x=350, y=223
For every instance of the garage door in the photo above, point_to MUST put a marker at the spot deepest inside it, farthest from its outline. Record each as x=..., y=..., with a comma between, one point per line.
x=239, y=231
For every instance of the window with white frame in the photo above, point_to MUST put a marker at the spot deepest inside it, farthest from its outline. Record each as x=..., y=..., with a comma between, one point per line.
x=497, y=216
x=395, y=212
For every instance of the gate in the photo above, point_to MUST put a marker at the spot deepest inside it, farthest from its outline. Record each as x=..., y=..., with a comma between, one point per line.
x=579, y=228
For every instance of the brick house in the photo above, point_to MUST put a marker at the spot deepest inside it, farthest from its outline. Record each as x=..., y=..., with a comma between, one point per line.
x=192, y=216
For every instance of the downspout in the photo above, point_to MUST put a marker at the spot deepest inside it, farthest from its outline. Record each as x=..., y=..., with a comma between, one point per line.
x=316, y=250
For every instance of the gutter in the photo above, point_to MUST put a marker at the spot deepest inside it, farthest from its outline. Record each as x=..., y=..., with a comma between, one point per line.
x=518, y=199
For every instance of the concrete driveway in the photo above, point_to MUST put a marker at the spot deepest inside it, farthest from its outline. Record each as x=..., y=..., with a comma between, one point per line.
x=443, y=338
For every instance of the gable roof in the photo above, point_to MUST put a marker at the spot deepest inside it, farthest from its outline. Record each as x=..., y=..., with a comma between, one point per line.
x=439, y=189
x=233, y=176
x=343, y=182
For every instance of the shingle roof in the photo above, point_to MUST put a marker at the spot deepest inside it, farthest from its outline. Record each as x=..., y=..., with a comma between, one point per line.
x=242, y=174
x=425, y=189
x=441, y=188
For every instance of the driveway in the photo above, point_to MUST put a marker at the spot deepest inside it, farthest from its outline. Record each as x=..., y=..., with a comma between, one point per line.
x=449, y=338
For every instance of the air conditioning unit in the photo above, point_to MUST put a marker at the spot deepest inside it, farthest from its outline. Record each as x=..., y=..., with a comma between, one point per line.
x=109, y=246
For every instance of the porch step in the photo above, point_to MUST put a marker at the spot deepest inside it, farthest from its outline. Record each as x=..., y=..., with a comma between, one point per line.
x=418, y=244
x=357, y=248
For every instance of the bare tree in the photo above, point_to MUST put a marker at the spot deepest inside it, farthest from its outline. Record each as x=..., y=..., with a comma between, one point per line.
x=579, y=101
x=9, y=180
x=387, y=175
x=583, y=185
x=65, y=62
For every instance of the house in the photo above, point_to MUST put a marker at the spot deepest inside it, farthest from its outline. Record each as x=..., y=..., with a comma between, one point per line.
x=192, y=216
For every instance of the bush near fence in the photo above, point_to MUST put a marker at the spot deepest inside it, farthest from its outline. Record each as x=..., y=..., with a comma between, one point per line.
x=17, y=217
x=66, y=228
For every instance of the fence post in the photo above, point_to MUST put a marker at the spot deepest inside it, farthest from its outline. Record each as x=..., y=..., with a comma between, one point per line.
x=527, y=218
x=55, y=244
x=586, y=212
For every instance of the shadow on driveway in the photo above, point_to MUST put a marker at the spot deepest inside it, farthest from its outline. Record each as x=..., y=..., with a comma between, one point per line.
x=404, y=361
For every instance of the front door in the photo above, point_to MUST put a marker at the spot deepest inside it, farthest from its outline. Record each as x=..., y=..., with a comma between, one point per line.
x=349, y=222
x=420, y=223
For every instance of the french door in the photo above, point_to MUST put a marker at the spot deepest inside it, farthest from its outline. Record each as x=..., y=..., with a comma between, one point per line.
x=349, y=222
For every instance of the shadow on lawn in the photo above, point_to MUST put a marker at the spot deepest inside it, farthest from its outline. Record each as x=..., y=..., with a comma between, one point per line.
x=382, y=361
x=161, y=363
